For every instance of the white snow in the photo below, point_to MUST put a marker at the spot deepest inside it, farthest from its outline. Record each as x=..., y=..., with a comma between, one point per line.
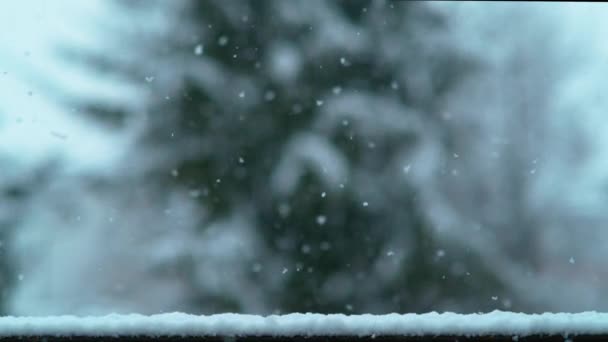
x=494, y=323
x=34, y=78
x=222, y=41
x=321, y=219
x=285, y=62
x=309, y=152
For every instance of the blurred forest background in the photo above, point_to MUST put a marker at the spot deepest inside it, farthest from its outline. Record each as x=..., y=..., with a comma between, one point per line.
x=302, y=156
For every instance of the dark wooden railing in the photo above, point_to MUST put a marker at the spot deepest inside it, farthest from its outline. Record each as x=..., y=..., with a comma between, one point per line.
x=315, y=338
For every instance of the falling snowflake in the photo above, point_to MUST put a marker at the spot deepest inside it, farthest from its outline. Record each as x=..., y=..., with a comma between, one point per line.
x=222, y=41
x=269, y=95
x=321, y=220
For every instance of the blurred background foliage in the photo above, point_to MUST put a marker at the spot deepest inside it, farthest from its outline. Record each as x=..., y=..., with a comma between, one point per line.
x=283, y=124
x=291, y=156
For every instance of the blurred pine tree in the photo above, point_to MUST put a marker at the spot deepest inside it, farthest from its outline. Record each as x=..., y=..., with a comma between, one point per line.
x=302, y=114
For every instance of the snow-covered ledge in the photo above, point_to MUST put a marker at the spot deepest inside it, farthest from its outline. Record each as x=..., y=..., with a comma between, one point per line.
x=226, y=325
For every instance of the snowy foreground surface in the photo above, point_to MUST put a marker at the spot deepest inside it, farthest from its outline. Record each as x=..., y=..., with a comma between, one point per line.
x=494, y=323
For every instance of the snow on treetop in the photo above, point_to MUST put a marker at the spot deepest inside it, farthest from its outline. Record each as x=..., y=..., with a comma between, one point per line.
x=494, y=323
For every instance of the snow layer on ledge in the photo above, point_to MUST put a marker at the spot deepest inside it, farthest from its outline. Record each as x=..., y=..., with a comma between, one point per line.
x=494, y=323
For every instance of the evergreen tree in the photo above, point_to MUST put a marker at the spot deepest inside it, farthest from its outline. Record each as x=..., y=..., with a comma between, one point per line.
x=301, y=116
